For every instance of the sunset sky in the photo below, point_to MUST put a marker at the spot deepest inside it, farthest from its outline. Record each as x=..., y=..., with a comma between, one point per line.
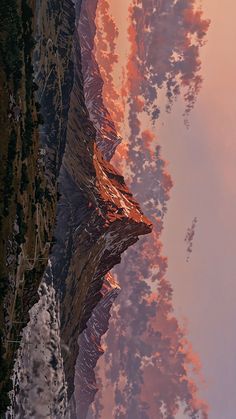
x=202, y=166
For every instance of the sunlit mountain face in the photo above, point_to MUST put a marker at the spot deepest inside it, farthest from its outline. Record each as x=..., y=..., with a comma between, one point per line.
x=101, y=338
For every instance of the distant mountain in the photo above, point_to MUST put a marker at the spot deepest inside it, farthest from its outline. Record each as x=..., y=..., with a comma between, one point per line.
x=97, y=220
x=90, y=349
x=107, y=137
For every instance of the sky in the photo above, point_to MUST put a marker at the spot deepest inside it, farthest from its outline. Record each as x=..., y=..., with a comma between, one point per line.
x=202, y=166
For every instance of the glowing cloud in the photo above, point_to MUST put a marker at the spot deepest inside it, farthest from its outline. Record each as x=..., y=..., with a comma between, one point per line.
x=148, y=358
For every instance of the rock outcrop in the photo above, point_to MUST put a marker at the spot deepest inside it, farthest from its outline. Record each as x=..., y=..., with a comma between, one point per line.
x=39, y=381
x=97, y=220
x=97, y=216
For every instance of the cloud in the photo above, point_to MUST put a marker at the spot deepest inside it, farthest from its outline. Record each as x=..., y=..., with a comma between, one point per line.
x=165, y=51
x=190, y=237
x=148, y=359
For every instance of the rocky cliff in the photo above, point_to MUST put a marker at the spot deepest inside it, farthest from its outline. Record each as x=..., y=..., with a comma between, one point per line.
x=107, y=139
x=97, y=220
x=97, y=217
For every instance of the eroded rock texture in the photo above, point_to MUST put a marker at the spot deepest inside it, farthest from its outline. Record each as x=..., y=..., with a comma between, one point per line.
x=97, y=216
x=97, y=220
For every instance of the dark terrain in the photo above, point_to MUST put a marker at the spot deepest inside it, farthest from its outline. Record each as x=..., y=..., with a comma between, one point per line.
x=60, y=195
